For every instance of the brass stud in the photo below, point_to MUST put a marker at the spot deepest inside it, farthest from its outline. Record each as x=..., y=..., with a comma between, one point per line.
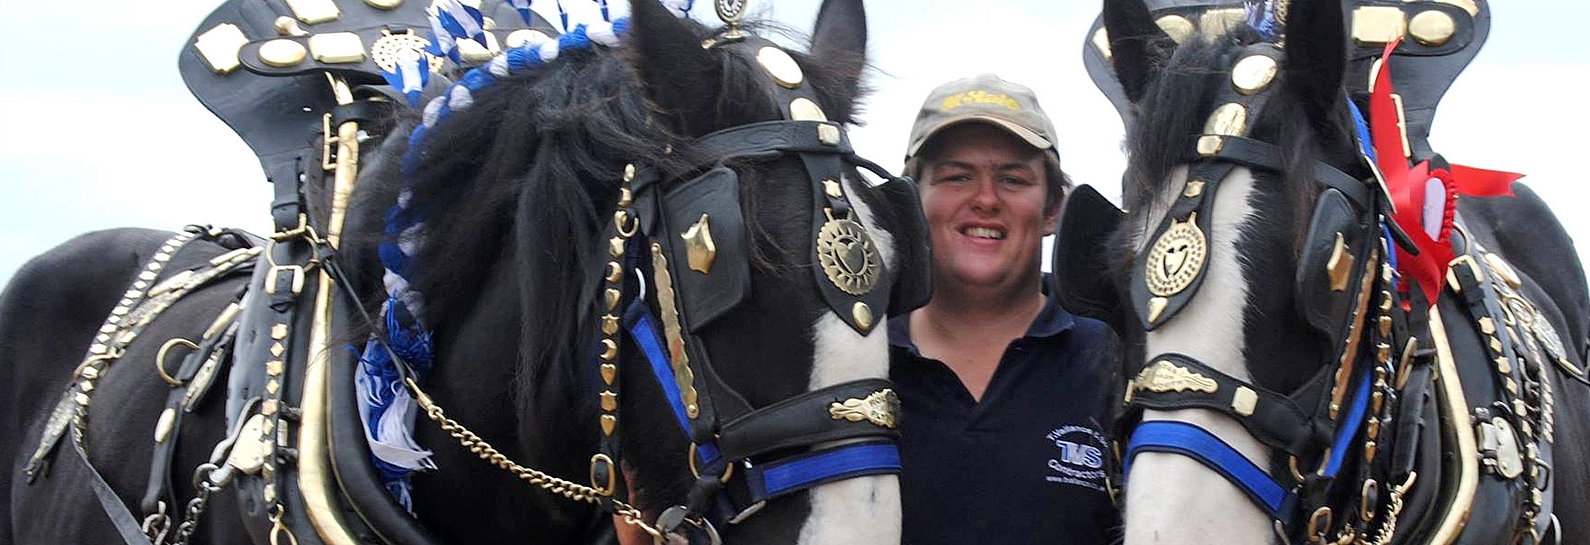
x=1230, y=119
x=609, y=373
x=862, y=314
x=625, y=197
x=608, y=423
x=314, y=11
x=615, y=272
x=269, y=407
x=272, y=386
x=168, y=419
x=828, y=134
x=1370, y=448
x=1156, y=306
x=609, y=324
x=1177, y=27
x=274, y=368
x=219, y=46
x=90, y=372
x=700, y=250
x=781, y=66
x=1253, y=73
x=269, y=494
x=609, y=350
x=86, y=386
x=609, y=401
x=1382, y=352
x=282, y=53
x=831, y=188
x=611, y=298
x=1503, y=365
x=1209, y=145
x=1374, y=428
x=1340, y=265
x=81, y=398
x=1194, y=189
x=288, y=26
x=279, y=331
x=337, y=47
x=1244, y=401
x=1378, y=24
x=1101, y=42
x=615, y=247
x=1496, y=345
x=1432, y=28
x=277, y=349
x=803, y=109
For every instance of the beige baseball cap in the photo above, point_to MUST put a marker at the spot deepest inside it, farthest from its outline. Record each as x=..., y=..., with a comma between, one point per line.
x=988, y=99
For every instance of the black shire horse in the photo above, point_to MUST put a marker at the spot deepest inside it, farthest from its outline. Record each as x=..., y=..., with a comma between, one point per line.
x=529, y=197
x=1287, y=383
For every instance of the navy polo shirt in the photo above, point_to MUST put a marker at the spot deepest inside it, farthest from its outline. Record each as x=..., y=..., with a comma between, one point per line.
x=1026, y=464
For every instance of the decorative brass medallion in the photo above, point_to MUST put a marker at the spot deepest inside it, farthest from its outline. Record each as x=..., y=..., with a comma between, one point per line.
x=802, y=109
x=699, y=246
x=387, y=50
x=1176, y=258
x=848, y=257
x=730, y=11
x=1164, y=376
x=862, y=314
x=880, y=408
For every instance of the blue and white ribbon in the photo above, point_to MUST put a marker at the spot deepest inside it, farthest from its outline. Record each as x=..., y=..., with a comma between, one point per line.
x=387, y=408
x=1265, y=18
x=442, y=44
x=461, y=21
x=523, y=7
x=410, y=74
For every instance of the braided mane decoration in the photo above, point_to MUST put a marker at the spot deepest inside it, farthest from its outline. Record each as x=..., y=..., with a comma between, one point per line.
x=387, y=408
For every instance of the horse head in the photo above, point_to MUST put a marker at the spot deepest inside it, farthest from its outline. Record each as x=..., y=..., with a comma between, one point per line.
x=662, y=256
x=1240, y=278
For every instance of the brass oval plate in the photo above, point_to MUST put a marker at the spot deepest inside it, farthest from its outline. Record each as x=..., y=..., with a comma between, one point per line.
x=1432, y=28
x=282, y=53
x=781, y=66
x=802, y=109
x=1230, y=119
x=1253, y=73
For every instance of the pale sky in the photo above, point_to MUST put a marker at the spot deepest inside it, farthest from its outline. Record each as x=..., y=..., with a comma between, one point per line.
x=98, y=131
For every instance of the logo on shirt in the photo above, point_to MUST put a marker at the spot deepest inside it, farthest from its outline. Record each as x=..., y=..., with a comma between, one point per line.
x=1079, y=457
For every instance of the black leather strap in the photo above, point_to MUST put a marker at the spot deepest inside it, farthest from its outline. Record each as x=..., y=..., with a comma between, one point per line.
x=765, y=140
x=1254, y=153
x=214, y=352
x=127, y=527
x=802, y=420
x=1276, y=420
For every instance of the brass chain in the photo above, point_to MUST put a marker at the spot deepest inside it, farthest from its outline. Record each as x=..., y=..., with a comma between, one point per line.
x=1388, y=527
x=532, y=476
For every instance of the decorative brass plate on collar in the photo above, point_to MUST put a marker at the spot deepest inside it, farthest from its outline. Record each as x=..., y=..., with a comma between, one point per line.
x=1176, y=258
x=1164, y=376
x=847, y=255
x=1432, y=28
x=387, y=50
x=314, y=11
x=1378, y=24
x=699, y=246
x=337, y=47
x=880, y=408
x=219, y=46
x=282, y=53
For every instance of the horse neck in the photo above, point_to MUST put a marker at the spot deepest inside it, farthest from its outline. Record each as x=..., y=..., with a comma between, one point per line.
x=1178, y=501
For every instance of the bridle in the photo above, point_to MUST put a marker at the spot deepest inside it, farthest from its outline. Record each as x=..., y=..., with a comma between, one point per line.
x=1339, y=420
x=688, y=223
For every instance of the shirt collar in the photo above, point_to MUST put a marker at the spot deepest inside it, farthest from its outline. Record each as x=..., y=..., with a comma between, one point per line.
x=1051, y=321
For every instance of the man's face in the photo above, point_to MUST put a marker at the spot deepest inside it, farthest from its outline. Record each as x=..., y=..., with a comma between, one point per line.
x=983, y=195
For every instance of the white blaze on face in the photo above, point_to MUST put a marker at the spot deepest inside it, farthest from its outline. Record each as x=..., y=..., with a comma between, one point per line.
x=1170, y=498
x=863, y=509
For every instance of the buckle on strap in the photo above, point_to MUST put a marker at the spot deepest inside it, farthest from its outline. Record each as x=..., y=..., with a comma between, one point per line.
x=273, y=278
x=1199, y=444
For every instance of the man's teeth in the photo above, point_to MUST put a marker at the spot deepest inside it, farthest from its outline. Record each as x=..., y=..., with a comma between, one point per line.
x=984, y=232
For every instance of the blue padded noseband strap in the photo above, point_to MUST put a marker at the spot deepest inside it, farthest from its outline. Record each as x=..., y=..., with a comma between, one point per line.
x=1197, y=443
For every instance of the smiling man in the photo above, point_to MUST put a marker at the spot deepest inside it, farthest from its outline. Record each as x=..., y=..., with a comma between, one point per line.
x=1003, y=392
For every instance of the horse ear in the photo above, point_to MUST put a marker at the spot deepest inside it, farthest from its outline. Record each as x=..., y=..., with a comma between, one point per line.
x=673, y=67
x=1316, y=52
x=1138, y=47
x=839, y=40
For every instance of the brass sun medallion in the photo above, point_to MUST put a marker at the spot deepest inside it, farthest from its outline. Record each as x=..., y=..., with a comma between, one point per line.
x=730, y=11
x=847, y=255
x=387, y=50
x=1176, y=258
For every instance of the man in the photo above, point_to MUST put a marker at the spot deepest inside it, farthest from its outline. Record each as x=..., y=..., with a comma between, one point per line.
x=1004, y=394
